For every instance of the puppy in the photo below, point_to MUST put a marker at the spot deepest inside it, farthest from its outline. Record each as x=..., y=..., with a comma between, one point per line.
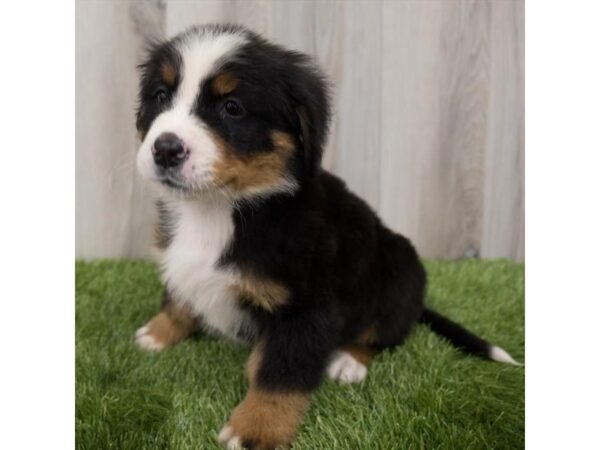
x=259, y=244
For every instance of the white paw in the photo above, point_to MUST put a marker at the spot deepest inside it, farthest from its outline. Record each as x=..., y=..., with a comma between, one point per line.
x=230, y=441
x=345, y=369
x=145, y=341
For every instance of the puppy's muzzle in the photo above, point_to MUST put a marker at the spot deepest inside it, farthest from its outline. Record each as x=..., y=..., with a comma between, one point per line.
x=168, y=151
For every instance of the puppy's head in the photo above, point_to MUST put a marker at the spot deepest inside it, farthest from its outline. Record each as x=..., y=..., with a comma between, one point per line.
x=223, y=110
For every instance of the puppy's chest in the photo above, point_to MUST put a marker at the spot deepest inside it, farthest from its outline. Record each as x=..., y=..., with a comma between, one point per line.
x=201, y=232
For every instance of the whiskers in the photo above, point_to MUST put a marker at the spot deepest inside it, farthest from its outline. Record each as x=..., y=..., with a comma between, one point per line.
x=127, y=167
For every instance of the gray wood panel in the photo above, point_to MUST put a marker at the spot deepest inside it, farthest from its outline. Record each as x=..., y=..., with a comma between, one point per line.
x=434, y=127
x=355, y=141
x=504, y=201
x=428, y=102
x=112, y=207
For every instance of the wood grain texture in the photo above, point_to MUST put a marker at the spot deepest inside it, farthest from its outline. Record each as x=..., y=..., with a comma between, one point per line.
x=251, y=13
x=345, y=39
x=504, y=200
x=428, y=102
x=182, y=14
x=112, y=207
x=355, y=140
x=434, y=123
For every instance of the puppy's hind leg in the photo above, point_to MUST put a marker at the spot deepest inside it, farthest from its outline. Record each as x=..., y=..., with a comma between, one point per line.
x=171, y=325
x=348, y=364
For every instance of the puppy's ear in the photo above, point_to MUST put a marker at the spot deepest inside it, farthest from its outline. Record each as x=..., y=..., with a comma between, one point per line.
x=311, y=99
x=304, y=135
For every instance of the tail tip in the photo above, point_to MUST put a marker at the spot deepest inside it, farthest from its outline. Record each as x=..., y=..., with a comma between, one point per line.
x=501, y=355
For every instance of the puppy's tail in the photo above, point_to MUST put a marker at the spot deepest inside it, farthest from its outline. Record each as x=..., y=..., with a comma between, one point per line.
x=463, y=339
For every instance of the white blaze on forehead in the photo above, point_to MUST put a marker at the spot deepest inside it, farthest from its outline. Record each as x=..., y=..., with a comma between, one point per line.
x=199, y=55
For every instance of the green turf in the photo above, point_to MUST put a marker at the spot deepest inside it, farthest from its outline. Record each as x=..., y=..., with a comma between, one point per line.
x=424, y=395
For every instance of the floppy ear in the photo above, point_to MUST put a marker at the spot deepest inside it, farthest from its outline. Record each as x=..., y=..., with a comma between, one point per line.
x=311, y=99
x=304, y=136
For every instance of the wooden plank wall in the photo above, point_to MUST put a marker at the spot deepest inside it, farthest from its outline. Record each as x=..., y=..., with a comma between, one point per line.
x=429, y=112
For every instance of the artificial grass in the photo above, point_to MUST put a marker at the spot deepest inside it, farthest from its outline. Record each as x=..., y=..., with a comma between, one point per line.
x=423, y=395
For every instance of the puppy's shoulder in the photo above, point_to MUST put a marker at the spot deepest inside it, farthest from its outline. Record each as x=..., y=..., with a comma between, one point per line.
x=339, y=201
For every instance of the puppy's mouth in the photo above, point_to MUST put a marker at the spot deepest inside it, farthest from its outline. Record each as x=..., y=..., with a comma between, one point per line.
x=173, y=181
x=174, y=184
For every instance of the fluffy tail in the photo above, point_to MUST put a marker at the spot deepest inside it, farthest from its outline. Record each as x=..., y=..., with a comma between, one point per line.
x=463, y=338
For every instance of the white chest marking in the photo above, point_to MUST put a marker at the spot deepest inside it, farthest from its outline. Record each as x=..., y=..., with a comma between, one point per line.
x=203, y=230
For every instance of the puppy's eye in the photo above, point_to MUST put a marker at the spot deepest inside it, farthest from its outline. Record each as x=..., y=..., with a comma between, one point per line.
x=233, y=108
x=161, y=95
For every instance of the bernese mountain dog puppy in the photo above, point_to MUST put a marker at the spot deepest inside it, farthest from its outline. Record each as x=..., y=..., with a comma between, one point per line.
x=255, y=241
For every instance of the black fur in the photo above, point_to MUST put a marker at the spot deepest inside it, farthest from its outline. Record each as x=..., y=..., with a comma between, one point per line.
x=345, y=270
x=457, y=335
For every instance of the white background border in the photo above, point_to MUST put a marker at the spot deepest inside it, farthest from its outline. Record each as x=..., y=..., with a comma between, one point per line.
x=562, y=246
x=37, y=225
x=562, y=61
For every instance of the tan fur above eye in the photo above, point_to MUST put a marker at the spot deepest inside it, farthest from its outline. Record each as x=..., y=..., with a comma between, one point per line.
x=258, y=172
x=224, y=84
x=168, y=74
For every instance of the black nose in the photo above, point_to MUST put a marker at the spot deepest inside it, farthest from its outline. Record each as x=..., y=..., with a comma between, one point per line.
x=168, y=150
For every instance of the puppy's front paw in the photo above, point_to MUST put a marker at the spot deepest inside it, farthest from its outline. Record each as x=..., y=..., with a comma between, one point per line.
x=228, y=438
x=261, y=437
x=164, y=330
x=146, y=341
x=264, y=421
